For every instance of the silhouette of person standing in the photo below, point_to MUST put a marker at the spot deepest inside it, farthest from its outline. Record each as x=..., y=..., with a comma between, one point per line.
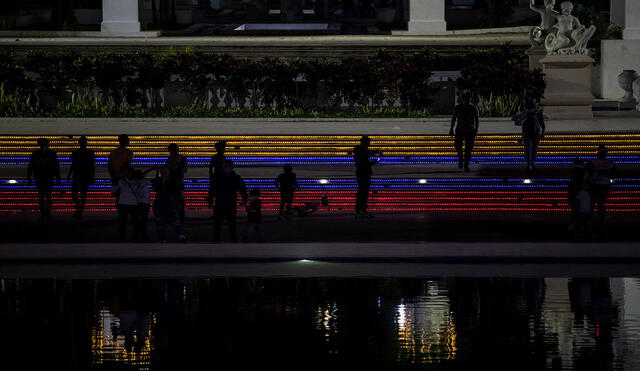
x=82, y=173
x=120, y=159
x=599, y=173
x=287, y=184
x=223, y=197
x=44, y=168
x=362, y=158
x=216, y=164
x=217, y=161
x=465, y=119
x=177, y=166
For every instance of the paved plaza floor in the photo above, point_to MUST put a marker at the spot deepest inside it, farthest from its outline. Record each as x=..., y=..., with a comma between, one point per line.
x=469, y=226
x=628, y=121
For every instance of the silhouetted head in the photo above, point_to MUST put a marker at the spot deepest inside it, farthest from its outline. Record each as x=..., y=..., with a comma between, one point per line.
x=365, y=141
x=123, y=139
x=550, y=3
x=602, y=152
x=578, y=162
x=254, y=192
x=82, y=142
x=173, y=149
x=288, y=168
x=221, y=146
x=227, y=167
x=466, y=98
x=567, y=7
x=43, y=143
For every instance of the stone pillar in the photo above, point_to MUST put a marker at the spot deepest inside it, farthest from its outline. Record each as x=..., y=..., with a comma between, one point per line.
x=426, y=17
x=631, y=20
x=568, y=93
x=616, y=13
x=120, y=18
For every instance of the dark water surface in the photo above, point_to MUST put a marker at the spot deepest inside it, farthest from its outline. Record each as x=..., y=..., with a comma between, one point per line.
x=321, y=324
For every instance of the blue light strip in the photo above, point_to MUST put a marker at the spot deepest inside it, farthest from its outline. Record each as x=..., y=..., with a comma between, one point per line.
x=377, y=184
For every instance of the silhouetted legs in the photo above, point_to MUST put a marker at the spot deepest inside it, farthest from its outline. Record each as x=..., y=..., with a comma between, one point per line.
x=599, y=194
x=530, y=150
x=79, y=196
x=126, y=212
x=362, y=196
x=286, y=203
x=45, y=190
x=222, y=213
x=464, y=148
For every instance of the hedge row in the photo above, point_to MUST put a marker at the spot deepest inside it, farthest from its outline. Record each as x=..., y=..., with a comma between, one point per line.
x=383, y=81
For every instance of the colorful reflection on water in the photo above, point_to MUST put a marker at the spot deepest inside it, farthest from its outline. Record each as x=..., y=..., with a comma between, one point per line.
x=318, y=324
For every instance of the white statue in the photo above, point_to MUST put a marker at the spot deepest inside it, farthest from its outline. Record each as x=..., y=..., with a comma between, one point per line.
x=569, y=36
x=548, y=15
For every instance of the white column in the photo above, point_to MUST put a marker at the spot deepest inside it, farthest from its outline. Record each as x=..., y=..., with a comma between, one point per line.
x=616, y=12
x=631, y=20
x=120, y=18
x=426, y=17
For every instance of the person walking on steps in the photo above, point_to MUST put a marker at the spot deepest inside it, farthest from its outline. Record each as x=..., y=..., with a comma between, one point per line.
x=44, y=169
x=362, y=158
x=223, y=197
x=82, y=174
x=464, y=127
x=532, y=123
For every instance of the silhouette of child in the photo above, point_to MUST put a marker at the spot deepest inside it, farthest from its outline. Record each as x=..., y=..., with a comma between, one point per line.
x=254, y=215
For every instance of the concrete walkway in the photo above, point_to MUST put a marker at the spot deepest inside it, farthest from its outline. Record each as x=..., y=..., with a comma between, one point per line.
x=603, y=122
x=8, y=39
x=301, y=269
x=344, y=252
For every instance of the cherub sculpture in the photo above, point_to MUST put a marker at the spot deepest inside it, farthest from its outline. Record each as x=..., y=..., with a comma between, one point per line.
x=548, y=15
x=569, y=35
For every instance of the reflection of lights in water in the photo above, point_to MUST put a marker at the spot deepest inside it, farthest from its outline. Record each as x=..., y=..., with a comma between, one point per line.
x=109, y=341
x=326, y=321
x=402, y=316
x=426, y=331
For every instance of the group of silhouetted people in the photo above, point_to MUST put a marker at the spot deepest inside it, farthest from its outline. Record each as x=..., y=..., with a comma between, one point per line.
x=589, y=185
x=464, y=129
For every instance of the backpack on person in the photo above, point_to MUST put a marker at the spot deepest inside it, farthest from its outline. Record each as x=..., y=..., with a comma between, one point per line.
x=530, y=122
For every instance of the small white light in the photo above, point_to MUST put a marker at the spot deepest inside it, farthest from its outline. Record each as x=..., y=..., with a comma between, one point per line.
x=12, y=181
x=527, y=181
x=324, y=181
x=305, y=261
x=610, y=180
x=422, y=181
